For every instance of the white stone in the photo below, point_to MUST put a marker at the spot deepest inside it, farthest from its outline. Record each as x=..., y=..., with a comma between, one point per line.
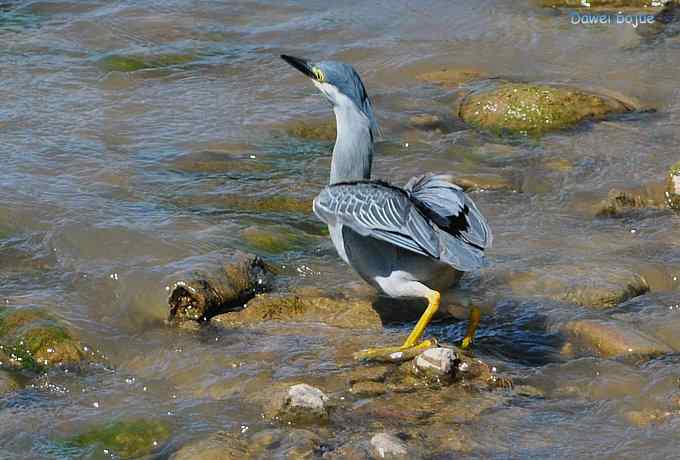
x=306, y=396
x=388, y=446
x=436, y=360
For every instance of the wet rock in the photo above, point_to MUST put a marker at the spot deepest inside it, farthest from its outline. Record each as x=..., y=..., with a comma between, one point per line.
x=278, y=203
x=666, y=23
x=561, y=165
x=273, y=240
x=612, y=339
x=320, y=130
x=673, y=186
x=621, y=202
x=8, y=383
x=534, y=109
x=385, y=445
x=428, y=122
x=126, y=439
x=438, y=363
x=121, y=63
x=33, y=339
x=483, y=182
x=451, y=77
x=299, y=403
x=369, y=374
x=216, y=283
x=644, y=418
x=595, y=286
x=368, y=389
x=304, y=305
x=208, y=162
x=216, y=447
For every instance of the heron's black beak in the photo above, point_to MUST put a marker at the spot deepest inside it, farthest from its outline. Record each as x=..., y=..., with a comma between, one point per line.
x=302, y=65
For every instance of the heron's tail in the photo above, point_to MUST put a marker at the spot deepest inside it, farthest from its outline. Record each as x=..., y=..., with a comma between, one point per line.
x=463, y=231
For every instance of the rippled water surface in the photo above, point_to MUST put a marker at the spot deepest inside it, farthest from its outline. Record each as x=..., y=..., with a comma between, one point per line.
x=108, y=176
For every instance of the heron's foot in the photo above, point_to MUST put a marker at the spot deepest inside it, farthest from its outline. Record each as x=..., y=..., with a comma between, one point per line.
x=394, y=354
x=475, y=315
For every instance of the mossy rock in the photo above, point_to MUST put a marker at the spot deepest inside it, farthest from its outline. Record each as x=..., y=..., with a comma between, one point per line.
x=126, y=439
x=34, y=339
x=122, y=63
x=273, y=240
x=673, y=187
x=320, y=130
x=519, y=108
x=279, y=203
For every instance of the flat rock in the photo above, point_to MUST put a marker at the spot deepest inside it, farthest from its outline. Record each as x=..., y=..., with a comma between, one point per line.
x=592, y=286
x=534, y=108
x=303, y=305
x=612, y=339
x=385, y=445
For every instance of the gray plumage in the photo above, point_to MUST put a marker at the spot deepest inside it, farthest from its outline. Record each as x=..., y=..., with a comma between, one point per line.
x=405, y=242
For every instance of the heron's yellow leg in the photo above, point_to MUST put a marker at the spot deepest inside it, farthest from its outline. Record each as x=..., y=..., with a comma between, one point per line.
x=411, y=345
x=473, y=322
x=433, y=305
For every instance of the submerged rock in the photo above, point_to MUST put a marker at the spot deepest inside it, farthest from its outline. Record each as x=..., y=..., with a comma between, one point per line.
x=217, y=446
x=451, y=77
x=33, y=339
x=274, y=240
x=126, y=439
x=304, y=305
x=320, y=130
x=483, y=182
x=612, y=339
x=534, y=109
x=593, y=286
x=216, y=283
x=385, y=445
x=300, y=403
x=621, y=202
x=122, y=63
x=673, y=187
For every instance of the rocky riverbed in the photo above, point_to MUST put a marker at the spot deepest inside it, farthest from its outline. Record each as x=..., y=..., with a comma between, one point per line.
x=166, y=291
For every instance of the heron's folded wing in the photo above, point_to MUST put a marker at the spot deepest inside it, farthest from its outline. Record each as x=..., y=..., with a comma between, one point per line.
x=380, y=211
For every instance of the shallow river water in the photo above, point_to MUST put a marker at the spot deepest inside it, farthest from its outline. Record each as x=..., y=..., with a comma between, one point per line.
x=108, y=176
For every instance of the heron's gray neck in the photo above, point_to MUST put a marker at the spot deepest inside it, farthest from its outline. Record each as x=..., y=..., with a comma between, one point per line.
x=353, y=151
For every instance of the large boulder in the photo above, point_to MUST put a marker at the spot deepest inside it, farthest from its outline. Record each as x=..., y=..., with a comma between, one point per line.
x=523, y=108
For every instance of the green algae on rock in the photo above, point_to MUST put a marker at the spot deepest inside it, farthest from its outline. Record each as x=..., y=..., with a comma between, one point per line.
x=126, y=439
x=33, y=339
x=320, y=130
x=273, y=240
x=304, y=305
x=534, y=109
x=123, y=63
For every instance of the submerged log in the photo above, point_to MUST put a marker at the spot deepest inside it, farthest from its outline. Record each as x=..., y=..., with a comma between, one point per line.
x=216, y=284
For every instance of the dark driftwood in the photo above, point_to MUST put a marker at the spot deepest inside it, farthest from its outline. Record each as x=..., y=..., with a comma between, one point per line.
x=216, y=283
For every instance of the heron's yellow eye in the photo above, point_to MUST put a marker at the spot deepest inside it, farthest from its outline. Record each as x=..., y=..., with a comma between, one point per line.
x=318, y=74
